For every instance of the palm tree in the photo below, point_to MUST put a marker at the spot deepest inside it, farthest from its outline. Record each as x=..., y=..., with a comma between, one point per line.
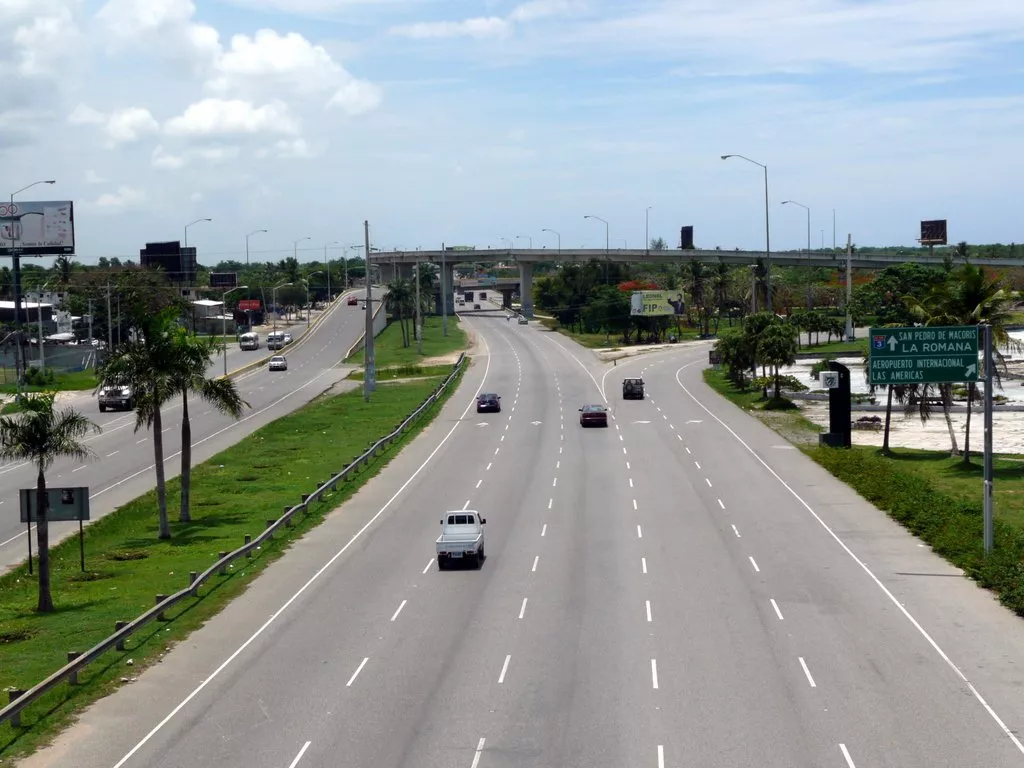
x=397, y=302
x=62, y=267
x=41, y=435
x=195, y=354
x=148, y=365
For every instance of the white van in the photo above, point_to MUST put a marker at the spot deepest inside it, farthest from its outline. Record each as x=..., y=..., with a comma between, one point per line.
x=276, y=340
x=249, y=341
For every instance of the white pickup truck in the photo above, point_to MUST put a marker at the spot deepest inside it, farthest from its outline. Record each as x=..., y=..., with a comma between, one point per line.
x=462, y=537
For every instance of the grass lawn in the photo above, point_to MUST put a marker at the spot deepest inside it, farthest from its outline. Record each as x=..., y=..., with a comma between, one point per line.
x=857, y=347
x=406, y=372
x=603, y=340
x=787, y=421
x=64, y=381
x=389, y=352
x=233, y=494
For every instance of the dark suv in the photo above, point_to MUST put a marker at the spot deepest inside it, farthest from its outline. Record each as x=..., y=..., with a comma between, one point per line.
x=488, y=403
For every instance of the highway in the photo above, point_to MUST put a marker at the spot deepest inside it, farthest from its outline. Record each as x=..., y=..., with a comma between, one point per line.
x=122, y=466
x=680, y=589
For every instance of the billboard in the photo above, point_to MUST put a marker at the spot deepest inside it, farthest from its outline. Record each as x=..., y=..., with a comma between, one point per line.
x=933, y=232
x=37, y=229
x=249, y=305
x=223, y=279
x=63, y=504
x=655, y=303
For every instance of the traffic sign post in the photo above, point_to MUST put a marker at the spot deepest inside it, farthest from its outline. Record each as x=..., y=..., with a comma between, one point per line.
x=924, y=355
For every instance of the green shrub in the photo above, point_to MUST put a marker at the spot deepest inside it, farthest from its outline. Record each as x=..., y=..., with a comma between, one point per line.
x=39, y=377
x=952, y=527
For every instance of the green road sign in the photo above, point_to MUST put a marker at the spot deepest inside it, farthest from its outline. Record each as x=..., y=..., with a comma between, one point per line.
x=925, y=355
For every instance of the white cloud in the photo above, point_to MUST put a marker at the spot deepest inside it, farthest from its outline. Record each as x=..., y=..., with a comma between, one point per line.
x=122, y=126
x=220, y=117
x=115, y=202
x=479, y=28
x=91, y=177
x=356, y=97
x=46, y=41
x=165, y=161
x=535, y=10
x=293, y=149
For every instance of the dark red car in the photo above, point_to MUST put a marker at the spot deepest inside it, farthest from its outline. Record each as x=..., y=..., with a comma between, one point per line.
x=593, y=416
x=352, y=301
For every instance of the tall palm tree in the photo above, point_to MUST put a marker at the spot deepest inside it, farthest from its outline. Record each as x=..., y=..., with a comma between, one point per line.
x=195, y=354
x=148, y=365
x=397, y=303
x=41, y=435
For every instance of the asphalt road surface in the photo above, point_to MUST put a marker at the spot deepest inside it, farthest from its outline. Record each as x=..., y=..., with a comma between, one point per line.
x=122, y=466
x=679, y=589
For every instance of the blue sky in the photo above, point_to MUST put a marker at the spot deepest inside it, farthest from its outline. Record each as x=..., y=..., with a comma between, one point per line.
x=469, y=122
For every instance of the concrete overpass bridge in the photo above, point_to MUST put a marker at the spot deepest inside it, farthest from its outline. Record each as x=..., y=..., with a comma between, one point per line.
x=395, y=263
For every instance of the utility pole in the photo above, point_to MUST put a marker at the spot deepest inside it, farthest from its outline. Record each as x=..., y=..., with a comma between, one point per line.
x=90, y=322
x=419, y=332
x=369, y=364
x=444, y=295
x=849, y=286
x=987, y=468
x=110, y=325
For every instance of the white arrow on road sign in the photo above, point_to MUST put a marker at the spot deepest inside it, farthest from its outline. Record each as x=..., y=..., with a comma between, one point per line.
x=972, y=370
x=535, y=423
x=892, y=343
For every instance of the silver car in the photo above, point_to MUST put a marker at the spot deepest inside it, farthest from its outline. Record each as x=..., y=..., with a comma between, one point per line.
x=278, y=363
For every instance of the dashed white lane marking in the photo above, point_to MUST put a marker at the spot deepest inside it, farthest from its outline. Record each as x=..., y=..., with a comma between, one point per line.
x=624, y=450
x=643, y=564
x=488, y=466
x=697, y=463
x=356, y=673
x=648, y=610
x=478, y=482
x=671, y=426
x=140, y=442
x=654, y=674
x=753, y=562
x=708, y=481
x=502, y=439
x=430, y=564
x=687, y=449
x=639, y=532
x=776, y=607
x=554, y=482
x=550, y=503
x=522, y=610
x=680, y=438
x=721, y=504
x=544, y=530
x=476, y=755
x=496, y=451
x=400, y=607
x=535, y=561
x=736, y=531
x=114, y=453
x=466, y=505
x=634, y=504
x=622, y=439
x=807, y=672
x=298, y=757
x=627, y=465
x=846, y=754
x=631, y=482
x=504, y=669
x=558, y=465
x=78, y=469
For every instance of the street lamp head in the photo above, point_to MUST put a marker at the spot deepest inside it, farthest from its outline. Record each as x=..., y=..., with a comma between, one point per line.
x=50, y=181
x=726, y=157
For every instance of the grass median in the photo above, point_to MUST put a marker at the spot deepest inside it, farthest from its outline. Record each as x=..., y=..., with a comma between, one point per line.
x=936, y=497
x=233, y=494
x=390, y=352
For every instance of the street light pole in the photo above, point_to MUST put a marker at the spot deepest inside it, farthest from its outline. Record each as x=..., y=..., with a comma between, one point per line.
x=19, y=352
x=189, y=225
x=308, y=305
x=647, y=229
x=607, y=256
x=273, y=298
x=224, y=322
x=767, y=229
x=327, y=264
x=419, y=332
x=256, y=232
x=369, y=363
x=556, y=234
x=810, y=301
x=526, y=237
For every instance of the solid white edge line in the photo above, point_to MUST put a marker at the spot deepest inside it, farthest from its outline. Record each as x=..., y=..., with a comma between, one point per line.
x=400, y=607
x=522, y=611
x=807, y=672
x=504, y=669
x=299, y=756
x=661, y=756
x=776, y=607
x=356, y=673
x=846, y=755
x=273, y=617
x=654, y=673
x=476, y=755
x=878, y=582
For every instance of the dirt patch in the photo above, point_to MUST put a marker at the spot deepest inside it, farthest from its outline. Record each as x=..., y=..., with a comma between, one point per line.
x=451, y=358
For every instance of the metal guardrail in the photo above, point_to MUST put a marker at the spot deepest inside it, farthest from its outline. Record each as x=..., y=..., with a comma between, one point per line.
x=19, y=700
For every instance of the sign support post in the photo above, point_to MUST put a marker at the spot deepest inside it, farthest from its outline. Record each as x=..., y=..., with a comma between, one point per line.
x=987, y=471
x=28, y=535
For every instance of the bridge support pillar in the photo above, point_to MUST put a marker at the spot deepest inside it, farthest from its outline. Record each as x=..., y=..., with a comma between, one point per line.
x=446, y=289
x=526, y=288
x=506, y=298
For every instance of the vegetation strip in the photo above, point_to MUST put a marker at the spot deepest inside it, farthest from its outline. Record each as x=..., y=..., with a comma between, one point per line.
x=234, y=494
x=396, y=346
